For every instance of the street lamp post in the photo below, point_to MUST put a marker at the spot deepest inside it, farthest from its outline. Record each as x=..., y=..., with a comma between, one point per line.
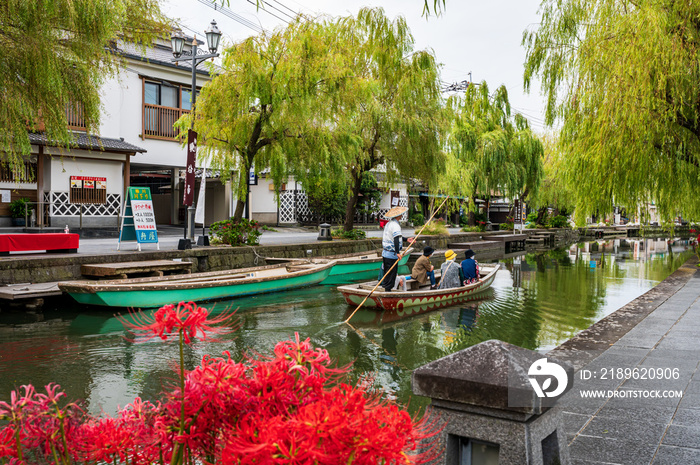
x=196, y=57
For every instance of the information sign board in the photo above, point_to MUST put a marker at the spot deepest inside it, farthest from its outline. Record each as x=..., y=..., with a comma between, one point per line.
x=138, y=219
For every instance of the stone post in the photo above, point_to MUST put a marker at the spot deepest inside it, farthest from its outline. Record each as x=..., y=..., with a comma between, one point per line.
x=491, y=412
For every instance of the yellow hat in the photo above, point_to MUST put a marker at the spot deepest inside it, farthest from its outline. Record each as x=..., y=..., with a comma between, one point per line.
x=450, y=255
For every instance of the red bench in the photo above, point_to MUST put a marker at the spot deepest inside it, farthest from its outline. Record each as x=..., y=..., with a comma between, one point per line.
x=51, y=242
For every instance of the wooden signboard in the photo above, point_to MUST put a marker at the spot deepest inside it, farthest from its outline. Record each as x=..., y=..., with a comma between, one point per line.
x=138, y=218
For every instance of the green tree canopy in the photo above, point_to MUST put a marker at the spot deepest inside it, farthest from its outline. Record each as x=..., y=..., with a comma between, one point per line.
x=57, y=53
x=270, y=105
x=623, y=77
x=491, y=149
x=392, y=114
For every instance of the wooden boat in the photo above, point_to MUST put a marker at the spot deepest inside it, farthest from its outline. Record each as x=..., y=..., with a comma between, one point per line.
x=199, y=287
x=397, y=299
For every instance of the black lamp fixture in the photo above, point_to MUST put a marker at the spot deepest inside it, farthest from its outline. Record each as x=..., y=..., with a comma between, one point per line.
x=177, y=41
x=213, y=36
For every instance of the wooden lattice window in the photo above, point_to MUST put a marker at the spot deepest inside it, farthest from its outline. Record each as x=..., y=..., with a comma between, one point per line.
x=88, y=189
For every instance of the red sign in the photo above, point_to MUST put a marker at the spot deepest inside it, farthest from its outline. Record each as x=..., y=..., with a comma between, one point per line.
x=88, y=182
x=188, y=194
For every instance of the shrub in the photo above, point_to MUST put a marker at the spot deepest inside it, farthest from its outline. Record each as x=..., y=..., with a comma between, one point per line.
x=417, y=219
x=507, y=226
x=353, y=234
x=559, y=221
x=471, y=229
x=236, y=232
x=20, y=207
x=436, y=228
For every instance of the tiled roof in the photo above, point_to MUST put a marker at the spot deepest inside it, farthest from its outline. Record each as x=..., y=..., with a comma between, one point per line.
x=88, y=142
x=158, y=54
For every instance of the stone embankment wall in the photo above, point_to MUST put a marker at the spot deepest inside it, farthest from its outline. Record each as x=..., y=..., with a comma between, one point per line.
x=49, y=268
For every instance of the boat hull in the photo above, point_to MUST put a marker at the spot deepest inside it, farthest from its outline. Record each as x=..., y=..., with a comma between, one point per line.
x=354, y=295
x=152, y=296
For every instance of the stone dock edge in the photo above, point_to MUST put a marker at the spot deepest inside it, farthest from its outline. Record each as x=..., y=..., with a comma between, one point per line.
x=591, y=342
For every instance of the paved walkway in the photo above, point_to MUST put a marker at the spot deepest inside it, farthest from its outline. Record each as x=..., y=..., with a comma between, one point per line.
x=169, y=237
x=625, y=429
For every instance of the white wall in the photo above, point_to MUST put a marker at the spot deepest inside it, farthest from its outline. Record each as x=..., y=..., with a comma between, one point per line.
x=122, y=114
x=62, y=168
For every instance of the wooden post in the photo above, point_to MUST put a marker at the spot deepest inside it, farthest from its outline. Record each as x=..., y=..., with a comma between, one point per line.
x=40, y=187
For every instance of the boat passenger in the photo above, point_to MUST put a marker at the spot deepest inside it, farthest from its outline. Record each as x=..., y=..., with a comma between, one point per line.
x=392, y=243
x=451, y=272
x=423, y=269
x=470, y=268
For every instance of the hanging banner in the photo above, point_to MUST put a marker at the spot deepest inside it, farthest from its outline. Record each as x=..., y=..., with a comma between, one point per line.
x=188, y=194
x=138, y=219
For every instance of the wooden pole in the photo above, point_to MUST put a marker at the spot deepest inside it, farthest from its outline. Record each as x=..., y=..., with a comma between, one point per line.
x=397, y=261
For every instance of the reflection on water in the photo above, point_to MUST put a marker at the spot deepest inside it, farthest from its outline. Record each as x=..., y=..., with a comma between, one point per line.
x=538, y=300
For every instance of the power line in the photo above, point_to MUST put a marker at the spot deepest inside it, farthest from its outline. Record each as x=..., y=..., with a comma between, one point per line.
x=277, y=9
x=234, y=16
x=266, y=11
x=285, y=6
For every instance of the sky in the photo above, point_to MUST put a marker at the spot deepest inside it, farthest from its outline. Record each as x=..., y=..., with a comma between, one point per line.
x=478, y=37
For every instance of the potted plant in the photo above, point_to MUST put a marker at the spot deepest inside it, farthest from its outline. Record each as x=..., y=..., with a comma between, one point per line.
x=19, y=210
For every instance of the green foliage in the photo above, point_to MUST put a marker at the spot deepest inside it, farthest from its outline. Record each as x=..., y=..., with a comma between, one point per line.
x=531, y=217
x=271, y=105
x=434, y=228
x=507, y=226
x=392, y=113
x=20, y=208
x=326, y=196
x=417, y=219
x=559, y=221
x=622, y=78
x=58, y=53
x=491, y=150
x=371, y=195
x=472, y=229
x=236, y=232
x=353, y=234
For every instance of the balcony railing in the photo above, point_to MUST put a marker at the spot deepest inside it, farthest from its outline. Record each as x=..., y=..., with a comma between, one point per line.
x=76, y=117
x=26, y=172
x=158, y=121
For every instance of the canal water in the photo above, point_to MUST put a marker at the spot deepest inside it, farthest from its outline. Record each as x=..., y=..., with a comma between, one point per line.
x=538, y=300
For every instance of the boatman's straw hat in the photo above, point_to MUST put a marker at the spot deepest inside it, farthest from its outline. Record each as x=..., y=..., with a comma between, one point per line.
x=396, y=211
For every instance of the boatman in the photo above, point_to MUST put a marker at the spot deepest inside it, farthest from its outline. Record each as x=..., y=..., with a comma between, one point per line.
x=392, y=243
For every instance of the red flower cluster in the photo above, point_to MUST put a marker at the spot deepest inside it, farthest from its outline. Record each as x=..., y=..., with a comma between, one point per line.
x=289, y=408
x=188, y=318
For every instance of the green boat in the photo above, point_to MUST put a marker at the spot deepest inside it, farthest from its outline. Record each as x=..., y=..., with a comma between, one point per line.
x=356, y=266
x=199, y=287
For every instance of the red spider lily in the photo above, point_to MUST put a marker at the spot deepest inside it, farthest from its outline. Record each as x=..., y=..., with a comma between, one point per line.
x=188, y=318
x=284, y=409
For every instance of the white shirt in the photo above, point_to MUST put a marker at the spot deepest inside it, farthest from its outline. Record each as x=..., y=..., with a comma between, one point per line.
x=391, y=230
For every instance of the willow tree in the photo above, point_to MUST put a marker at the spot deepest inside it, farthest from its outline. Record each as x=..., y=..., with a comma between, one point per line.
x=554, y=191
x=268, y=106
x=623, y=77
x=392, y=114
x=492, y=149
x=56, y=54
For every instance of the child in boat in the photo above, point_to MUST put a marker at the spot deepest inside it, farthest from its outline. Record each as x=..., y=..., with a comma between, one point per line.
x=423, y=269
x=470, y=268
x=451, y=272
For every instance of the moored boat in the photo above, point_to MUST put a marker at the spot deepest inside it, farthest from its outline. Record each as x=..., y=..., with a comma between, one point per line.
x=349, y=266
x=199, y=287
x=354, y=294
